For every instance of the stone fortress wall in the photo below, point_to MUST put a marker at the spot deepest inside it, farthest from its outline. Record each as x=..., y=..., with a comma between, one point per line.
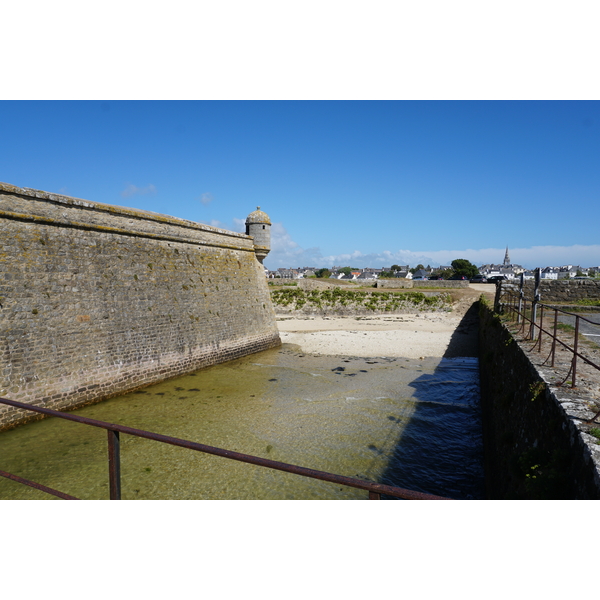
x=98, y=300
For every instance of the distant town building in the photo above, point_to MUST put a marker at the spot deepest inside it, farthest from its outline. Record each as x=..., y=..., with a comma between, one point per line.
x=287, y=273
x=549, y=273
x=506, y=268
x=509, y=270
x=367, y=275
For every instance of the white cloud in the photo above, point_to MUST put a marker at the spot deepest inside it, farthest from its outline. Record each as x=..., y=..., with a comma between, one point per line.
x=378, y=259
x=238, y=225
x=206, y=198
x=133, y=190
x=216, y=223
x=285, y=252
x=536, y=256
x=281, y=242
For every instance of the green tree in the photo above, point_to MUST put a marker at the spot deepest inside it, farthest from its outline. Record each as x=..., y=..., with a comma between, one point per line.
x=323, y=273
x=346, y=270
x=446, y=273
x=419, y=266
x=461, y=266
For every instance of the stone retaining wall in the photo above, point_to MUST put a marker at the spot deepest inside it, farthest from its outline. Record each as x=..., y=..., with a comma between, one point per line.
x=323, y=284
x=535, y=442
x=97, y=300
x=409, y=283
x=553, y=290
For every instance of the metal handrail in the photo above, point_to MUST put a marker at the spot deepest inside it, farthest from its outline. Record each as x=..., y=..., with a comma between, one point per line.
x=516, y=305
x=375, y=489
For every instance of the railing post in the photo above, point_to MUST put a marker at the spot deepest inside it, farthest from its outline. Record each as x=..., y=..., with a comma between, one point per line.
x=541, y=328
x=374, y=496
x=521, y=296
x=536, y=299
x=114, y=464
x=554, y=336
x=573, y=384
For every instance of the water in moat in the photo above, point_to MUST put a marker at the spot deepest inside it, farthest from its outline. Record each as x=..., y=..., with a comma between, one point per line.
x=413, y=423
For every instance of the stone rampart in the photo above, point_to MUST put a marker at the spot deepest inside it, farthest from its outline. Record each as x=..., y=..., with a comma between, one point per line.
x=98, y=300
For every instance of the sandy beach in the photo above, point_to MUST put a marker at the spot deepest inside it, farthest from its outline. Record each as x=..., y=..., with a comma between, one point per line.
x=434, y=334
x=411, y=336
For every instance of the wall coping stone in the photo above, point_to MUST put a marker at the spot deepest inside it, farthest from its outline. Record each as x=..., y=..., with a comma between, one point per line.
x=239, y=241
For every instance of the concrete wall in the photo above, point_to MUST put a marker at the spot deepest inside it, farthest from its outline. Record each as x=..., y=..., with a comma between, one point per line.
x=97, y=300
x=535, y=442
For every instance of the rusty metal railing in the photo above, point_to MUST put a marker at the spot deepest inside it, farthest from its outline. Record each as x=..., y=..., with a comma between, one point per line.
x=114, y=463
x=517, y=306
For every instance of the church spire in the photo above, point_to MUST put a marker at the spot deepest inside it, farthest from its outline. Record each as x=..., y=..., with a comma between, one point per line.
x=506, y=258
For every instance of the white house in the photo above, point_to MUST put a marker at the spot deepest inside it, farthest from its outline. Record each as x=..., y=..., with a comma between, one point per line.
x=549, y=273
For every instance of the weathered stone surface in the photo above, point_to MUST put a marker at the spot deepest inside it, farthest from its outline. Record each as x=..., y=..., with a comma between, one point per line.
x=97, y=300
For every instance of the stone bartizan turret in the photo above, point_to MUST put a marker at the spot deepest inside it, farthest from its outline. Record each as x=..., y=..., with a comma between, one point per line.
x=258, y=225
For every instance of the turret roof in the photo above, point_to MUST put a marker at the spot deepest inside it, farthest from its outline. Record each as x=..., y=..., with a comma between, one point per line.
x=258, y=216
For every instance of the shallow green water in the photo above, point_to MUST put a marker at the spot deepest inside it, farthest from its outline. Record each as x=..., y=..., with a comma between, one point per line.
x=279, y=404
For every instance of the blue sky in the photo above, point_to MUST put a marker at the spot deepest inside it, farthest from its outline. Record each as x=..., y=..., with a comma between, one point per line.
x=360, y=183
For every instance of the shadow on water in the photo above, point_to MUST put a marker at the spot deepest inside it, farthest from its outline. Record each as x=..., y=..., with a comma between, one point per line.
x=440, y=450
